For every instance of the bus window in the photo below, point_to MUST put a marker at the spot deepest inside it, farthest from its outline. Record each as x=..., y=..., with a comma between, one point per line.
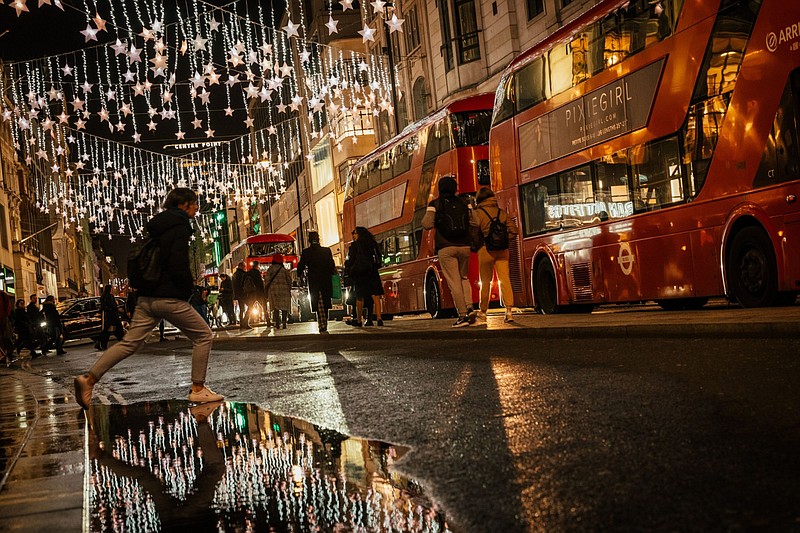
x=576, y=198
x=403, y=153
x=701, y=133
x=504, y=101
x=781, y=159
x=658, y=176
x=540, y=208
x=438, y=139
x=612, y=195
x=530, y=84
x=425, y=181
x=560, y=60
x=362, y=179
x=471, y=128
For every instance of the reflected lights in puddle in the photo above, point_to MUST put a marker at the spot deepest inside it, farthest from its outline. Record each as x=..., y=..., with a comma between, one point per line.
x=162, y=466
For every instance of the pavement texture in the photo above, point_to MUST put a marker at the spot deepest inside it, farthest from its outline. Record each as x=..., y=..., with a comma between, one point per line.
x=43, y=437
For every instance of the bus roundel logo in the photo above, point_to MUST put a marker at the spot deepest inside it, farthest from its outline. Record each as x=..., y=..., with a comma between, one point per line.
x=625, y=258
x=772, y=42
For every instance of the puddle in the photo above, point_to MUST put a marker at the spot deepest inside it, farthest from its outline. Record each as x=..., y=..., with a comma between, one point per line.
x=236, y=467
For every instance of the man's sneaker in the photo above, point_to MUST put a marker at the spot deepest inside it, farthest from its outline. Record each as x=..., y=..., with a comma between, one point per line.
x=472, y=315
x=461, y=322
x=205, y=395
x=509, y=317
x=83, y=391
x=481, y=317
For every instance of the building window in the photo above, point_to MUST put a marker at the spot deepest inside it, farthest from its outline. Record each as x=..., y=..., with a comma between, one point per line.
x=4, y=228
x=420, y=99
x=412, y=29
x=447, y=36
x=565, y=3
x=535, y=8
x=467, y=29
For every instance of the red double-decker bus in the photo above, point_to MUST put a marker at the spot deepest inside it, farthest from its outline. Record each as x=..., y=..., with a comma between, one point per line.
x=649, y=151
x=260, y=249
x=390, y=188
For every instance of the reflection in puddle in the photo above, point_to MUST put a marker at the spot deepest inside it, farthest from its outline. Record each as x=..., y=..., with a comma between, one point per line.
x=235, y=467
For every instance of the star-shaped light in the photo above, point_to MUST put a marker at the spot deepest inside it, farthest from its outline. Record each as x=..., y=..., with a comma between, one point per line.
x=20, y=6
x=125, y=109
x=147, y=34
x=332, y=25
x=204, y=96
x=209, y=133
x=119, y=48
x=151, y=125
x=395, y=23
x=252, y=91
x=80, y=124
x=137, y=137
x=86, y=87
x=367, y=34
x=213, y=24
x=180, y=135
x=377, y=6
x=129, y=76
x=232, y=80
x=346, y=4
x=229, y=111
x=248, y=122
x=197, y=123
x=199, y=43
x=89, y=34
x=67, y=70
x=134, y=55
x=99, y=22
x=291, y=29
x=111, y=95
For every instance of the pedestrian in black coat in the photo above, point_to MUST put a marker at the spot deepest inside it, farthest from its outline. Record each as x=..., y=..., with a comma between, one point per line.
x=318, y=261
x=226, y=296
x=54, y=328
x=238, y=294
x=24, y=330
x=36, y=319
x=110, y=314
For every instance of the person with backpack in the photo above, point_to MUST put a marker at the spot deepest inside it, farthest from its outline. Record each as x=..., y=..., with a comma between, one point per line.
x=497, y=230
x=452, y=217
x=165, y=298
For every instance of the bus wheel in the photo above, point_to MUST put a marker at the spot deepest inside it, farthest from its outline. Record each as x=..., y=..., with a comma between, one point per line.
x=544, y=288
x=682, y=304
x=433, y=298
x=752, y=273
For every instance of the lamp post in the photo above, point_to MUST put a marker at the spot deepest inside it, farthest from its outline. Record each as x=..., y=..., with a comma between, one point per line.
x=390, y=55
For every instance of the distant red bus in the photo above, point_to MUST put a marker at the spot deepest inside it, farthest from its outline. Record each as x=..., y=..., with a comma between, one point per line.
x=649, y=151
x=259, y=250
x=390, y=188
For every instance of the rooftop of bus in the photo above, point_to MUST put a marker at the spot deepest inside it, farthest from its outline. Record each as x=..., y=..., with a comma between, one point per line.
x=470, y=103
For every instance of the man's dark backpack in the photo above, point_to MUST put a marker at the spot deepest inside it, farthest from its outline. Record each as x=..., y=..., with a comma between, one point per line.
x=144, y=264
x=497, y=237
x=452, y=218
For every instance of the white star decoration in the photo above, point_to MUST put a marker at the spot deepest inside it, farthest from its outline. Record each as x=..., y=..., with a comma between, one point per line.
x=395, y=23
x=331, y=25
x=291, y=29
x=367, y=34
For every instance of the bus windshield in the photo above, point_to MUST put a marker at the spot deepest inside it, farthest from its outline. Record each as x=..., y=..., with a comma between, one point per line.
x=265, y=249
x=471, y=128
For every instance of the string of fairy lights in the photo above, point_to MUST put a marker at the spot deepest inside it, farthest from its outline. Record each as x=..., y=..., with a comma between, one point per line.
x=78, y=119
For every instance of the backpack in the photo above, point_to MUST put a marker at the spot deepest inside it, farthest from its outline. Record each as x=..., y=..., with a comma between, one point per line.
x=497, y=237
x=144, y=263
x=452, y=218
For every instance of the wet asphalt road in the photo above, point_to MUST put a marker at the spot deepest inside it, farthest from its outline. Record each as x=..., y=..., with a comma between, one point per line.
x=514, y=435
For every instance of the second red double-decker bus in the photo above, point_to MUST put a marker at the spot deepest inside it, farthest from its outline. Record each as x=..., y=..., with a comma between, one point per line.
x=390, y=188
x=650, y=151
x=260, y=249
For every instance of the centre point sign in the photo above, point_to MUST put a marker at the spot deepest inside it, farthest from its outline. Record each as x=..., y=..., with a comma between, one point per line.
x=612, y=110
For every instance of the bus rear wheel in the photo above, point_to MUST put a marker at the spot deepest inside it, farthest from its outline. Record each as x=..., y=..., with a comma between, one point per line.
x=544, y=288
x=433, y=298
x=751, y=267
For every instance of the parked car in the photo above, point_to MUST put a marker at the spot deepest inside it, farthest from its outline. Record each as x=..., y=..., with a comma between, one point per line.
x=81, y=317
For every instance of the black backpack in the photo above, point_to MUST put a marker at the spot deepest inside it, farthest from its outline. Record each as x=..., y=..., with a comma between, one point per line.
x=497, y=238
x=452, y=218
x=144, y=264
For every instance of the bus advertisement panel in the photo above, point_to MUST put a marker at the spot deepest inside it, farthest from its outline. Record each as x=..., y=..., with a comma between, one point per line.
x=390, y=188
x=649, y=152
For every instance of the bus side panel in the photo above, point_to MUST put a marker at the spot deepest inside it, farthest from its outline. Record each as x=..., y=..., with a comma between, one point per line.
x=400, y=294
x=666, y=268
x=503, y=156
x=705, y=261
x=784, y=226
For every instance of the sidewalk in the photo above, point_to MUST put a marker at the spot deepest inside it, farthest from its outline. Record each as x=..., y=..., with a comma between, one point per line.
x=42, y=437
